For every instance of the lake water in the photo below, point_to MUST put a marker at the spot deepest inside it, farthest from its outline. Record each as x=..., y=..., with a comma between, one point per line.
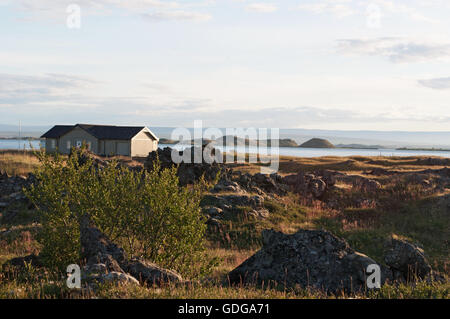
x=20, y=144
x=317, y=152
x=283, y=151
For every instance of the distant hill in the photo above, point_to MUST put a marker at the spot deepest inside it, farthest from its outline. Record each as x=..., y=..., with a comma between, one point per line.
x=317, y=143
x=167, y=141
x=234, y=140
x=386, y=139
x=361, y=146
x=287, y=142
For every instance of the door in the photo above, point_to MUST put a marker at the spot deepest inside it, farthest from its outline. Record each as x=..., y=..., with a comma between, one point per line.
x=123, y=149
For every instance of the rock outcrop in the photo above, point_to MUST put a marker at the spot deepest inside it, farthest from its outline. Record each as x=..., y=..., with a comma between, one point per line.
x=11, y=189
x=188, y=170
x=219, y=207
x=97, y=249
x=152, y=274
x=32, y=260
x=361, y=183
x=407, y=259
x=84, y=156
x=318, y=259
x=106, y=262
x=262, y=183
x=308, y=258
x=316, y=183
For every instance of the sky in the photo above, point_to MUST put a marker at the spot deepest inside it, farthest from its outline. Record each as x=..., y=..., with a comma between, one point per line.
x=316, y=64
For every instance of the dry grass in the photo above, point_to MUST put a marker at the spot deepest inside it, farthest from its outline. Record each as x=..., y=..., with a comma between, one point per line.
x=17, y=162
x=404, y=210
x=349, y=165
x=21, y=162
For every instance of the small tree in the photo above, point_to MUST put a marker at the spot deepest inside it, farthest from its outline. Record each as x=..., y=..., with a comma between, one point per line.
x=147, y=213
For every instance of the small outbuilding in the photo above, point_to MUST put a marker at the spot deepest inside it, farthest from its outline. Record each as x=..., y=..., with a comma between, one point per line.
x=103, y=140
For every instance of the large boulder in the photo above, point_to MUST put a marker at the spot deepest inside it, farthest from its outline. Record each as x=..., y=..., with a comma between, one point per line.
x=228, y=187
x=315, y=184
x=85, y=155
x=406, y=258
x=308, y=258
x=32, y=260
x=97, y=248
x=262, y=184
x=152, y=274
x=267, y=183
x=120, y=278
x=232, y=206
x=317, y=187
x=11, y=190
x=361, y=183
x=370, y=185
x=229, y=201
x=189, y=171
x=106, y=262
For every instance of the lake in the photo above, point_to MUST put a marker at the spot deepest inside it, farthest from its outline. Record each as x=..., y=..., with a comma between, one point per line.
x=20, y=144
x=283, y=151
x=317, y=152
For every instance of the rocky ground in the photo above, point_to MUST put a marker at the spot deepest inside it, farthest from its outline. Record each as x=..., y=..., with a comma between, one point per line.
x=322, y=213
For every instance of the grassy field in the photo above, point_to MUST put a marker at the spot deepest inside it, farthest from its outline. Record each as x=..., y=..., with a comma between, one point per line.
x=351, y=164
x=17, y=162
x=404, y=210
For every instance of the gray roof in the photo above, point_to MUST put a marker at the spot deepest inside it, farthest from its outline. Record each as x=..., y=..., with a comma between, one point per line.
x=57, y=131
x=102, y=132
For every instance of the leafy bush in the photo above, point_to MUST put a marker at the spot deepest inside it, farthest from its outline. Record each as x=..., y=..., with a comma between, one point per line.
x=147, y=213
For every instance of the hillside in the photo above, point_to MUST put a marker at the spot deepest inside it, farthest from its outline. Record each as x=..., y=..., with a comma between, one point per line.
x=287, y=142
x=317, y=143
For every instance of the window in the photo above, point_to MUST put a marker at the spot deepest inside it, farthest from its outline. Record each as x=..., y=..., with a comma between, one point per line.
x=53, y=144
x=79, y=143
x=89, y=146
x=68, y=145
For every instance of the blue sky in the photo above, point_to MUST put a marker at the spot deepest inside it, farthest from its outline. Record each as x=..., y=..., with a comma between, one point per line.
x=325, y=64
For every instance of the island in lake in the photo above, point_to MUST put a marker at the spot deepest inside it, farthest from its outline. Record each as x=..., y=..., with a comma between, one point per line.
x=317, y=143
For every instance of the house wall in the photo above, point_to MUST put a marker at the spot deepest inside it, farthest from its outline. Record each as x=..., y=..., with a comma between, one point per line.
x=139, y=146
x=142, y=144
x=51, y=144
x=116, y=147
x=77, y=135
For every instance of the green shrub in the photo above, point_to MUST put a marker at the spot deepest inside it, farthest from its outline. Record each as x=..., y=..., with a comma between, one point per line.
x=55, y=195
x=147, y=213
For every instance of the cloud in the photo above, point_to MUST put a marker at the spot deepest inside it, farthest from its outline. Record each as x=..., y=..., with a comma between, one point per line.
x=62, y=98
x=176, y=15
x=396, y=50
x=152, y=9
x=345, y=8
x=400, y=8
x=339, y=9
x=261, y=7
x=436, y=83
x=25, y=89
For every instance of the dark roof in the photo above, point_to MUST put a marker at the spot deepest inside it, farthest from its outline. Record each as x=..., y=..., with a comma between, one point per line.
x=57, y=131
x=102, y=132
x=107, y=132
